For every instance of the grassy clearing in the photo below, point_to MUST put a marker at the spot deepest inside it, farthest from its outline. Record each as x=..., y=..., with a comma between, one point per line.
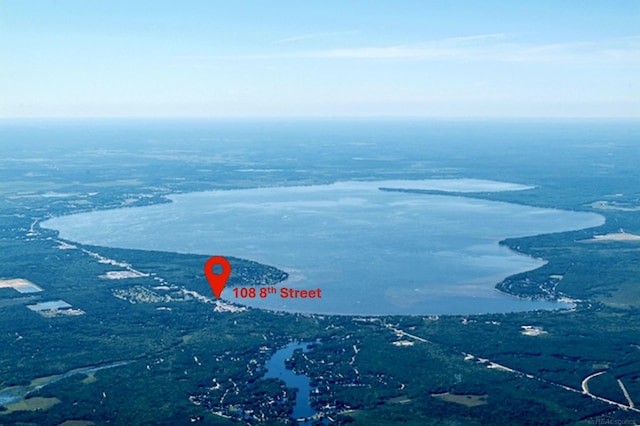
x=466, y=400
x=31, y=404
x=91, y=377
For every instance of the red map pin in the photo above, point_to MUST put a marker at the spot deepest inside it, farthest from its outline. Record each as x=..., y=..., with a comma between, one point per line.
x=217, y=281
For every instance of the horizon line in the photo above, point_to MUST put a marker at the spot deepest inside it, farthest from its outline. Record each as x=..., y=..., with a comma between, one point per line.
x=320, y=116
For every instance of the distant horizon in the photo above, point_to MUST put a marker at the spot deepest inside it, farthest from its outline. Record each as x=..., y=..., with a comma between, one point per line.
x=198, y=58
x=318, y=117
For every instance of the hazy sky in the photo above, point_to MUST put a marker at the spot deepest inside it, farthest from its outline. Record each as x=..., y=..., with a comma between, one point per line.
x=326, y=58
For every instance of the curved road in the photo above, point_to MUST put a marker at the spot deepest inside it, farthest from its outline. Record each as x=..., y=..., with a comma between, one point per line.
x=585, y=381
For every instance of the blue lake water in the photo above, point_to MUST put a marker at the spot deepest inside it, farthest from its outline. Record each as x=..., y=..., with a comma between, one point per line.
x=276, y=369
x=371, y=252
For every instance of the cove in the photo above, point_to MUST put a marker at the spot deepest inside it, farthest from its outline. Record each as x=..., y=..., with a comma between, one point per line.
x=372, y=252
x=276, y=369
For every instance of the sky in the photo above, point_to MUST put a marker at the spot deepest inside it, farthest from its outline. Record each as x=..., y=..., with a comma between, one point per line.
x=329, y=58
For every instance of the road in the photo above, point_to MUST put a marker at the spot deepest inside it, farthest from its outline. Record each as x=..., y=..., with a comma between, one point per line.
x=492, y=364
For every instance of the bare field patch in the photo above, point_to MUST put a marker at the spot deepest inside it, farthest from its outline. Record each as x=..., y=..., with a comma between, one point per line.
x=466, y=400
x=120, y=275
x=20, y=285
x=55, y=308
x=31, y=404
x=610, y=205
x=618, y=236
x=400, y=400
x=91, y=378
x=626, y=296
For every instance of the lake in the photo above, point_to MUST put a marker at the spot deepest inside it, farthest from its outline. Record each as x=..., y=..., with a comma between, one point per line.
x=276, y=369
x=370, y=251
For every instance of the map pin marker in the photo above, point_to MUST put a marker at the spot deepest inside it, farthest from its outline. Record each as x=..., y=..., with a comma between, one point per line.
x=217, y=281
